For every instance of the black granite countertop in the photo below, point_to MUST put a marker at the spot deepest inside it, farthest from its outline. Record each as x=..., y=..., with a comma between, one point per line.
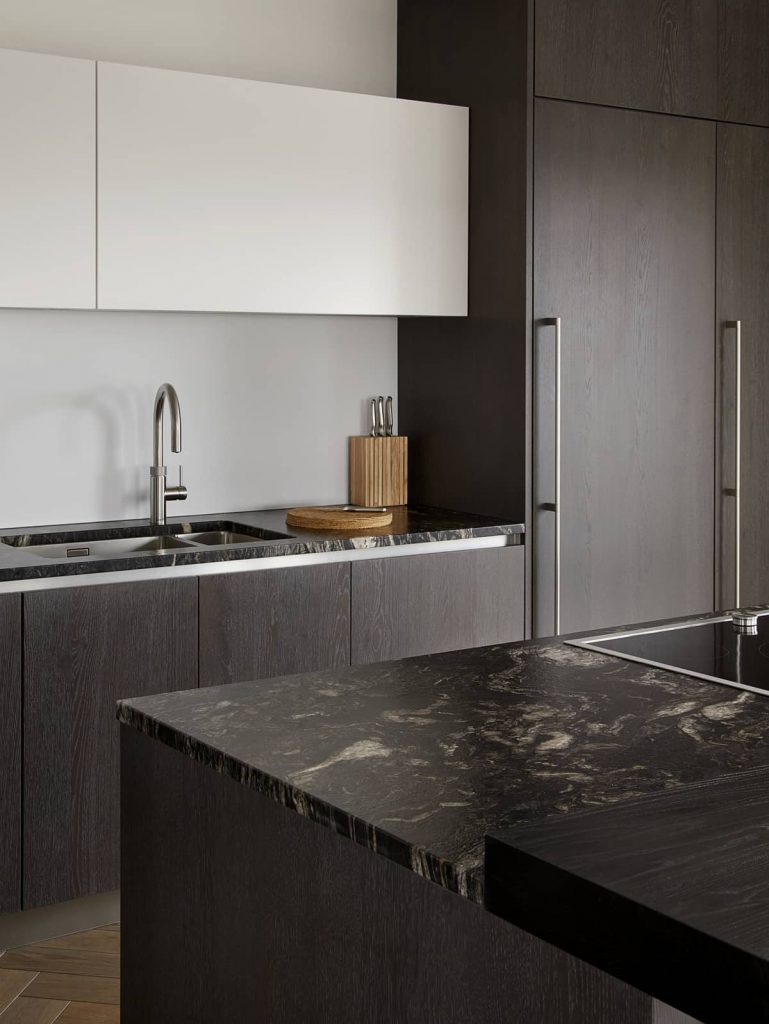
x=421, y=759
x=670, y=893
x=411, y=525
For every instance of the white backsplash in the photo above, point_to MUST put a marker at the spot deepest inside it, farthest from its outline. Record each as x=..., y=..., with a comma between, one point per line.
x=267, y=401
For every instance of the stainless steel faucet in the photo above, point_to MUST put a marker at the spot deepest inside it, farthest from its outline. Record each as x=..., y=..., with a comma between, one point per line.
x=159, y=493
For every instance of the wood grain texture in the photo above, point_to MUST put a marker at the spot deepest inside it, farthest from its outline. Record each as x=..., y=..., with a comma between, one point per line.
x=90, y=1013
x=99, y=940
x=26, y=1010
x=743, y=268
x=85, y=648
x=462, y=383
x=379, y=471
x=423, y=604
x=10, y=752
x=664, y=1014
x=624, y=254
x=322, y=517
x=269, y=917
x=63, y=961
x=274, y=622
x=668, y=892
x=12, y=984
x=743, y=61
x=76, y=987
x=657, y=55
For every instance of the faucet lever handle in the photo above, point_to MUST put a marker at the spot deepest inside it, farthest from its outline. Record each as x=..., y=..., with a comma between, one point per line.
x=177, y=493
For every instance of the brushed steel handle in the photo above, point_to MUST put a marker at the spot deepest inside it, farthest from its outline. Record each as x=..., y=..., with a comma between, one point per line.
x=555, y=506
x=736, y=326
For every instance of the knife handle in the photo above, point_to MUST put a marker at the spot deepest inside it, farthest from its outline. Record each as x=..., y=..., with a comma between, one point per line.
x=381, y=416
x=373, y=431
x=389, y=416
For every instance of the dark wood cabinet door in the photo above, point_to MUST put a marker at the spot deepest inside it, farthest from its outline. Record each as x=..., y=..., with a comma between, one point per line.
x=743, y=61
x=273, y=622
x=657, y=55
x=624, y=252
x=84, y=649
x=743, y=295
x=10, y=753
x=422, y=604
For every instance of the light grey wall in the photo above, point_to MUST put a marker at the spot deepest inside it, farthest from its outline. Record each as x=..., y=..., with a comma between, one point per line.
x=267, y=401
x=330, y=44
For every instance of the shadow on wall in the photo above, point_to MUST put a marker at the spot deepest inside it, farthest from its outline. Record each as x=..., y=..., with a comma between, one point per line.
x=57, y=424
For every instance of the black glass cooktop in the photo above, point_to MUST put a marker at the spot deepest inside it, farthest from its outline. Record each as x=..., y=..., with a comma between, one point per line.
x=713, y=649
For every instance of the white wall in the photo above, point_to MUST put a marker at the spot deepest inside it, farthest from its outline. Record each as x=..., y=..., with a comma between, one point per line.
x=330, y=44
x=267, y=402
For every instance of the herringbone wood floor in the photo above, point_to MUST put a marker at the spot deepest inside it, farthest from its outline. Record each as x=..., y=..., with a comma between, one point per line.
x=71, y=980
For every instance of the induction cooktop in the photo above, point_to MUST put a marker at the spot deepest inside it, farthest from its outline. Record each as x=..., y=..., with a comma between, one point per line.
x=733, y=649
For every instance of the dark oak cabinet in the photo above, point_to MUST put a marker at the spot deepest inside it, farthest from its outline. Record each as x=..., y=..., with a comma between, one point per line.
x=10, y=753
x=743, y=61
x=422, y=604
x=598, y=203
x=85, y=648
x=655, y=55
x=274, y=622
x=743, y=298
x=702, y=58
x=624, y=254
x=68, y=655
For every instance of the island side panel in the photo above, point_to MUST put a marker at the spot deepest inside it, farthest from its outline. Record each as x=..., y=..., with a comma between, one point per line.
x=235, y=908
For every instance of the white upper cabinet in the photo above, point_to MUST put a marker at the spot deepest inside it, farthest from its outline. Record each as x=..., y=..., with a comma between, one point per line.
x=227, y=194
x=47, y=181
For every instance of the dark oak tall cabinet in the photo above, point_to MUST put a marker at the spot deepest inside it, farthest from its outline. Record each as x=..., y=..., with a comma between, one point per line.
x=624, y=256
x=618, y=235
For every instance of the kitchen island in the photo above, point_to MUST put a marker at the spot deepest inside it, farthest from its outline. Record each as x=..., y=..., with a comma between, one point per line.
x=311, y=848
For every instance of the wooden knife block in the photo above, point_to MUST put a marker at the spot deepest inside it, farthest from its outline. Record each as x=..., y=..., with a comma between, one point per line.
x=379, y=471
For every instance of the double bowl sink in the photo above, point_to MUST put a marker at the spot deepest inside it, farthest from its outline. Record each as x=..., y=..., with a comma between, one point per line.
x=129, y=541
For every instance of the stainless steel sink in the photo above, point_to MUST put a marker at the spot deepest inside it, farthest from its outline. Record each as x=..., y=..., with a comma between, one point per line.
x=215, y=538
x=114, y=548
x=136, y=541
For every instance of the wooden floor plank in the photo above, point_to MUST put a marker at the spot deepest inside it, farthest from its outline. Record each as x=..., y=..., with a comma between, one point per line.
x=63, y=961
x=12, y=983
x=79, y=988
x=33, y=1011
x=113, y=927
x=97, y=940
x=90, y=1013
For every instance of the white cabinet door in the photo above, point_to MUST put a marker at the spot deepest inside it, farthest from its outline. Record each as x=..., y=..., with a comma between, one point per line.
x=226, y=194
x=47, y=181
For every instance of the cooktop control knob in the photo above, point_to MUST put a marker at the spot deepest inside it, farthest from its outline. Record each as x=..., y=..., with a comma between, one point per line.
x=745, y=621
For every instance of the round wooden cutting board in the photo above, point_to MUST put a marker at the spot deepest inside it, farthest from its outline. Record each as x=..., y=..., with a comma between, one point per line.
x=333, y=517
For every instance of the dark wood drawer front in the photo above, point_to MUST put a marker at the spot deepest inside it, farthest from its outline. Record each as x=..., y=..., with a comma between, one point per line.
x=10, y=753
x=274, y=622
x=422, y=604
x=84, y=649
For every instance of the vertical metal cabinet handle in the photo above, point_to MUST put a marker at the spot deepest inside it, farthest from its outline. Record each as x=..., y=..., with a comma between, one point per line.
x=555, y=507
x=736, y=326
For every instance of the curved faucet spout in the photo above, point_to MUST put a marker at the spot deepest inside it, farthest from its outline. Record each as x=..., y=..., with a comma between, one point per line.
x=167, y=391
